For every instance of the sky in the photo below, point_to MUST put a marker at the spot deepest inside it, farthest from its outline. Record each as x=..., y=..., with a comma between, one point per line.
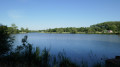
x=44, y=14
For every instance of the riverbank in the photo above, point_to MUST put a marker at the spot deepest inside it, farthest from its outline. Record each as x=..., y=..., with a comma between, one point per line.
x=80, y=33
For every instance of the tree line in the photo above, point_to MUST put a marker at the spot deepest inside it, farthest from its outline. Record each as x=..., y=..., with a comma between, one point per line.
x=13, y=29
x=104, y=27
x=113, y=25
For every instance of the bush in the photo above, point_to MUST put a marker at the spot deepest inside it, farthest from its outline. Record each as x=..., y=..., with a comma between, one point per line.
x=5, y=40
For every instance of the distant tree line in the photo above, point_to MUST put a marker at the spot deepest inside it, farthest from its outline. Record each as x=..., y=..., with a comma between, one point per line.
x=113, y=25
x=106, y=27
x=68, y=29
x=14, y=29
x=97, y=28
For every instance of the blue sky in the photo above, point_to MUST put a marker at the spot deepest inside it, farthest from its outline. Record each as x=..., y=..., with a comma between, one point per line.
x=44, y=14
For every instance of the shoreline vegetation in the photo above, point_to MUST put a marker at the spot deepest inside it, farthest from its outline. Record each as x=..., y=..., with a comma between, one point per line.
x=25, y=55
x=79, y=33
x=110, y=27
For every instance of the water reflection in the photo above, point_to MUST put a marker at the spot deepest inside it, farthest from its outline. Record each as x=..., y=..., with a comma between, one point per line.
x=76, y=46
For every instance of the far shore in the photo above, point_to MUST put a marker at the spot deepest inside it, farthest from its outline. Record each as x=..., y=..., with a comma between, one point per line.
x=79, y=33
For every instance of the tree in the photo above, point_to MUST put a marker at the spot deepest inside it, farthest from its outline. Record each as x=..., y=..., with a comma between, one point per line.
x=26, y=30
x=73, y=30
x=119, y=29
x=114, y=28
x=111, y=25
x=22, y=29
x=10, y=30
x=5, y=40
x=59, y=30
x=14, y=28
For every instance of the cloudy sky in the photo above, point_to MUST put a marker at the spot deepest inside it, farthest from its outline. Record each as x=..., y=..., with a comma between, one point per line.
x=44, y=14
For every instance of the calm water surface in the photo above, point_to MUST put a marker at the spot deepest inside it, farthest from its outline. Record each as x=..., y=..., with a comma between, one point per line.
x=76, y=46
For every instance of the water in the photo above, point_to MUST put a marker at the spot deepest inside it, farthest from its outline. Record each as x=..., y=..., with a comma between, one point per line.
x=88, y=47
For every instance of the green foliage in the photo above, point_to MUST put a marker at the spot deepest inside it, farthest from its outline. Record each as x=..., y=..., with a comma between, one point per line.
x=113, y=26
x=65, y=62
x=45, y=58
x=73, y=30
x=5, y=40
x=59, y=30
x=37, y=52
x=14, y=28
x=24, y=30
